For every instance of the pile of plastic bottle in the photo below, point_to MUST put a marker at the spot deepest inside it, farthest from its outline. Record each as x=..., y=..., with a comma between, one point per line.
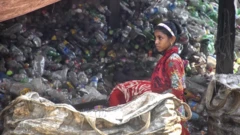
x=68, y=53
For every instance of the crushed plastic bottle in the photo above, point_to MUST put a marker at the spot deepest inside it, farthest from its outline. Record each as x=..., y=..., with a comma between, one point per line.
x=16, y=28
x=4, y=49
x=72, y=76
x=83, y=79
x=60, y=75
x=38, y=65
x=93, y=94
x=66, y=51
x=125, y=33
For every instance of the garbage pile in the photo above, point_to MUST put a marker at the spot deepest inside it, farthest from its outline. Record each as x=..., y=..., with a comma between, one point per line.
x=68, y=53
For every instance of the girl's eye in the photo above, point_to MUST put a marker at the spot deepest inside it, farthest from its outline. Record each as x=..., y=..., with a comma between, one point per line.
x=160, y=38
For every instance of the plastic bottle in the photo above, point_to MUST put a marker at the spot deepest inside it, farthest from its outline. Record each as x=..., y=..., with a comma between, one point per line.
x=16, y=51
x=195, y=3
x=125, y=8
x=103, y=9
x=12, y=30
x=66, y=51
x=100, y=86
x=100, y=36
x=81, y=90
x=94, y=81
x=3, y=49
x=13, y=64
x=37, y=41
x=55, y=56
x=156, y=19
x=60, y=75
x=59, y=96
x=53, y=66
x=82, y=77
x=26, y=50
x=72, y=76
x=93, y=95
x=165, y=3
x=207, y=45
x=136, y=32
x=125, y=33
x=158, y=10
x=139, y=23
x=195, y=116
x=2, y=65
x=20, y=88
x=181, y=4
x=24, y=41
x=23, y=78
x=213, y=15
x=81, y=39
x=148, y=27
x=112, y=54
x=189, y=95
x=193, y=105
x=78, y=52
x=196, y=31
x=38, y=65
x=20, y=58
x=47, y=49
x=30, y=72
x=132, y=3
x=184, y=37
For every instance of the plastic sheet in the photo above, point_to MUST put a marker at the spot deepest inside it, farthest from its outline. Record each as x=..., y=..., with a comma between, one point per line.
x=148, y=114
x=223, y=105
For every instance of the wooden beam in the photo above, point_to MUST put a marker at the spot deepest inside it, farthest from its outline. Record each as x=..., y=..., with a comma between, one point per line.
x=13, y=8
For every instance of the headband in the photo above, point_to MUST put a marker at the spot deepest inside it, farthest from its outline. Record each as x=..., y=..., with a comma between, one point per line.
x=166, y=27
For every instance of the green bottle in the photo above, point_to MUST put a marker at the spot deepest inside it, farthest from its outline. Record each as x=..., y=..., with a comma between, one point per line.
x=52, y=53
x=213, y=15
x=203, y=7
x=211, y=48
x=102, y=54
x=55, y=55
x=87, y=55
x=93, y=42
x=195, y=14
x=238, y=11
x=188, y=70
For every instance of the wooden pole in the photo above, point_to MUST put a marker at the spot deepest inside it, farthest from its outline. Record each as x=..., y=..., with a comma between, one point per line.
x=13, y=8
x=224, y=45
x=114, y=18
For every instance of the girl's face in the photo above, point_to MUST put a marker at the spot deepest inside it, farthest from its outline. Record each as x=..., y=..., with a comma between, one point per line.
x=162, y=41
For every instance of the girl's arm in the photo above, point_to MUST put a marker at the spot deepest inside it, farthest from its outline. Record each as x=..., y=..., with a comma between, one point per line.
x=175, y=71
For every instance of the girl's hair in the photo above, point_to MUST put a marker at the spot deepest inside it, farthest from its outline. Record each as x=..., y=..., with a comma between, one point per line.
x=176, y=29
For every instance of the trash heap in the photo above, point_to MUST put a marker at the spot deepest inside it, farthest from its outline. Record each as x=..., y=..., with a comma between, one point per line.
x=69, y=53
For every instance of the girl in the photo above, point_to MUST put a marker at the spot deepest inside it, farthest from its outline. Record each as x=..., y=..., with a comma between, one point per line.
x=168, y=75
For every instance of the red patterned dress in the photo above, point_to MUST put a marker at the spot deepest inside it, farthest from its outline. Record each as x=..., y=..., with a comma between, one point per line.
x=167, y=77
